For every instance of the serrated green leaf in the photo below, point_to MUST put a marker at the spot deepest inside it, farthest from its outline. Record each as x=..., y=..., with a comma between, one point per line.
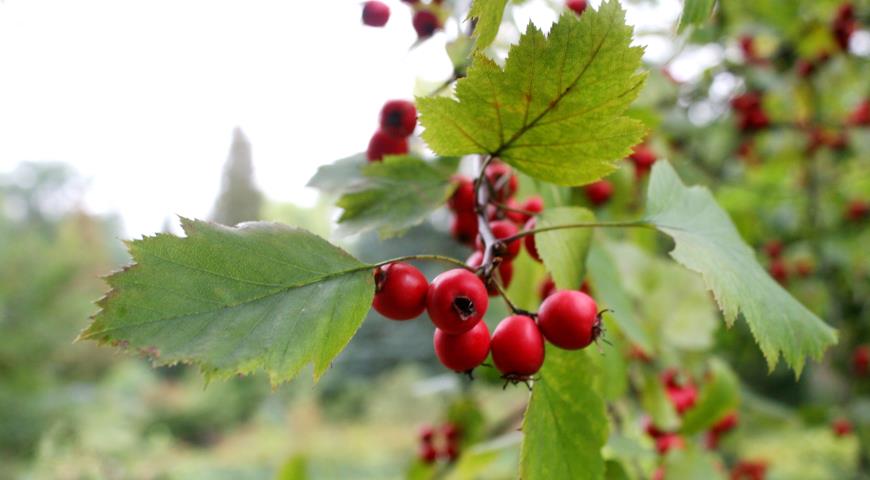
x=565, y=424
x=564, y=251
x=707, y=242
x=488, y=14
x=695, y=12
x=396, y=194
x=340, y=175
x=719, y=396
x=556, y=111
x=261, y=296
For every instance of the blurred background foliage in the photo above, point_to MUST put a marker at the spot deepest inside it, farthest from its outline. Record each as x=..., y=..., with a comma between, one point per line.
x=74, y=411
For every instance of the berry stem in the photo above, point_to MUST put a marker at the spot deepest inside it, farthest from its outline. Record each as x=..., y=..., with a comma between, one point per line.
x=502, y=206
x=631, y=224
x=434, y=258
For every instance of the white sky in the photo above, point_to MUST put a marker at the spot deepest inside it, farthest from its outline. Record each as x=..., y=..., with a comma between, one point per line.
x=141, y=97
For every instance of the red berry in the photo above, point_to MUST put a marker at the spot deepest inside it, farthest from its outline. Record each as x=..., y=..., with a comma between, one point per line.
x=651, y=429
x=375, y=14
x=659, y=473
x=451, y=452
x=746, y=102
x=669, y=441
x=425, y=24
x=503, y=229
x=711, y=440
x=505, y=272
x=517, y=347
x=502, y=180
x=725, y=424
x=749, y=470
x=464, y=227
x=569, y=319
x=778, y=270
x=383, y=144
x=578, y=6
x=427, y=453
x=683, y=398
x=842, y=427
x=773, y=248
x=462, y=352
x=857, y=210
x=747, y=45
x=529, y=240
x=401, y=291
x=643, y=159
x=861, y=360
x=427, y=433
x=462, y=199
x=398, y=118
x=547, y=288
x=805, y=68
x=511, y=214
x=861, y=114
x=451, y=432
x=599, y=192
x=532, y=205
x=456, y=301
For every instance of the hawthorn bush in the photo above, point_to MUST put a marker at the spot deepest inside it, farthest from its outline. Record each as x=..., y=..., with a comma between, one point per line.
x=527, y=157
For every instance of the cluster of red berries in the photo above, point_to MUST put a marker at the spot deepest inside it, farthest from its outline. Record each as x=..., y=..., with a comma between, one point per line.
x=426, y=20
x=845, y=24
x=398, y=119
x=683, y=394
x=440, y=442
x=779, y=269
x=750, y=114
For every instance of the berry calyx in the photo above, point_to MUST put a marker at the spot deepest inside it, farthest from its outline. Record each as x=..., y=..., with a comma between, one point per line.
x=462, y=199
x=384, y=144
x=375, y=14
x=462, y=352
x=529, y=240
x=400, y=291
x=502, y=180
x=502, y=229
x=578, y=6
x=425, y=24
x=456, y=301
x=398, y=118
x=505, y=272
x=599, y=192
x=517, y=347
x=569, y=319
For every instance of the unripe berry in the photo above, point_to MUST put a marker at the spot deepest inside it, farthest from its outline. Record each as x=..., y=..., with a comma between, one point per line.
x=599, y=192
x=425, y=24
x=398, y=118
x=529, y=240
x=456, y=301
x=383, y=144
x=464, y=227
x=400, y=291
x=462, y=352
x=578, y=6
x=502, y=180
x=427, y=453
x=517, y=347
x=375, y=14
x=569, y=319
x=505, y=271
x=669, y=441
x=462, y=199
x=503, y=229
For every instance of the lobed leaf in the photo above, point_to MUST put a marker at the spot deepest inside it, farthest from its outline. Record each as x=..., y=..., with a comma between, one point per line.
x=707, y=242
x=340, y=175
x=236, y=299
x=556, y=110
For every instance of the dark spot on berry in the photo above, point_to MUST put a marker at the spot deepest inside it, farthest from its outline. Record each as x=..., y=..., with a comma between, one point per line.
x=464, y=307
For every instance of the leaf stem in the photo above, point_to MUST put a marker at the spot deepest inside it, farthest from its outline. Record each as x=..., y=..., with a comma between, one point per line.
x=429, y=257
x=631, y=224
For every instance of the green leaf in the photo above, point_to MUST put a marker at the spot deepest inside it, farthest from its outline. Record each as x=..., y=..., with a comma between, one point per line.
x=719, y=396
x=339, y=175
x=396, y=194
x=615, y=471
x=656, y=403
x=611, y=294
x=295, y=468
x=236, y=300
x=564, y=251
x=565, y=424
x=488, y=14
x=707, y=242
x=695, y=12
x=692, y=464
x=556, y=110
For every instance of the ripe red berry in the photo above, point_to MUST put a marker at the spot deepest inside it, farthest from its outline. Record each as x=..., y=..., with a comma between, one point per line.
x=383, y=144
x=452, y=432
x=425, y=24
x=599, y=192
x=749, y=470
x=547, y=288
x=462, y=352
x=529, y=240
x=841, y=427
x=511, y=214
x=747, y=45
x=643, y=159
x=682, y=398
x=711, y=440
x=502, y=180
x=569, y=319
x=502, y=229
x=659, y=473
x=398, y=118
x=534, y=204
x=669, y=441
x=857, y=210
x=778, y=270
x=451, y=452
x=517, y=347
x=400, y=291
x=651, y=429
x=375, y=14
x=464, y=227
x=578, y=6
x=861, y=360
x=746, y=102
x=427, y=453
x=861, y=114
x=725, y=424
x=773, y=248
x=462, y=199
x=427, y=433
x=456, y=301
x=505, y=271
